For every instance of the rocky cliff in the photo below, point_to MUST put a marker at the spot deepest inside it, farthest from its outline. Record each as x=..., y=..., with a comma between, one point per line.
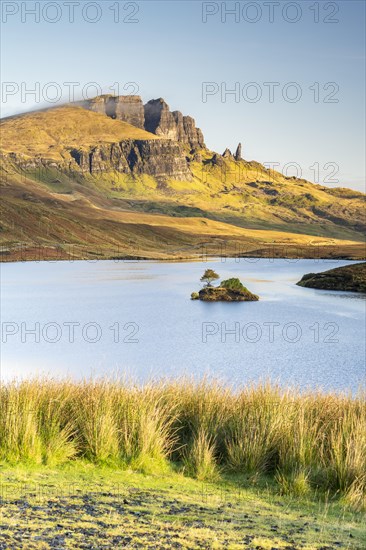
x=158, y=158
x=86, y=157
x=73, y=139
x=173, y=125
x=127, y=108
x=155, y=117
x=163, y=159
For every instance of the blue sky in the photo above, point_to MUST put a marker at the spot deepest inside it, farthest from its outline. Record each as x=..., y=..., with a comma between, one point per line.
x=310, y=51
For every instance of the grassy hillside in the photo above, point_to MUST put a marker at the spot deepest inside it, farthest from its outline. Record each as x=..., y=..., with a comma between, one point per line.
x=39, y=224
x=350, y=278
x=237, y=206
x=51, y=132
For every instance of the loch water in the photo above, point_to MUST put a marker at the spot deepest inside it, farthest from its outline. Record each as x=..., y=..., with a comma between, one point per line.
x=136, y=319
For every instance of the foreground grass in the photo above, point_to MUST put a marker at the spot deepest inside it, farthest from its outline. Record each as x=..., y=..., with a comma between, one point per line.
x=83, y=505
x=306, y=444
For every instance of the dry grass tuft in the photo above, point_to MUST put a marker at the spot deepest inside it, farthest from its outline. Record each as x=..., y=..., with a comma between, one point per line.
x=304, y=441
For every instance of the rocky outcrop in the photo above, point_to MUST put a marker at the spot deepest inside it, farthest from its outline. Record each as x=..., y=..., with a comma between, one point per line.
x=158, y=158
x=217, y=160
x=219, y=294
x=131, y=110
x=191, y=135
x=227, y=154
x=161, y=159
x=237, y=155
x=351, y=278
x=159, y=120
x=155, y=117
x=127, y=108
x=231, y=290
x=172, y=125
x=97, y=104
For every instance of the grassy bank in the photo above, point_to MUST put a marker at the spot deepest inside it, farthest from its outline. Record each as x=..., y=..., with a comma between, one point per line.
x=305, y=443
x=84, y=505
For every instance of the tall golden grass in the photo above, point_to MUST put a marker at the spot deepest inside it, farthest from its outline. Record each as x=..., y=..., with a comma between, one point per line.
x=304, y=441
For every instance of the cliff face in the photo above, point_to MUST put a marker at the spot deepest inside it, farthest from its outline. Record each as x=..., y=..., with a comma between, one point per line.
x=159, y=158
x=63, y=164
x=127, y=108
x=172, y=125
x=155, y=117
x=76, y=139
x=162, y=159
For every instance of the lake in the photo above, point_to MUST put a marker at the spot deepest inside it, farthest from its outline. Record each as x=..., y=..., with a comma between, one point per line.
x=135, y=318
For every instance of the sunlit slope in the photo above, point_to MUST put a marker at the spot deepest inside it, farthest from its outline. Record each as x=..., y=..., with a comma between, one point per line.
x=248, y=194
x=50, y=132
x=47, y=198
x=81, y=227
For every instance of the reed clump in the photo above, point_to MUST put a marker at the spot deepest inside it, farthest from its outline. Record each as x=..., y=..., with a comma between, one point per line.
x=304, y=441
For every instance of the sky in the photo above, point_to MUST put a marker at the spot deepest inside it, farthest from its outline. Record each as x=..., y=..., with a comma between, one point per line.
x=286, y=79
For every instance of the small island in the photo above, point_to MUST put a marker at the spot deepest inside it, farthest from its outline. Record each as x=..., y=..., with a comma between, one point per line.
x=230, y=290
x=351, y=278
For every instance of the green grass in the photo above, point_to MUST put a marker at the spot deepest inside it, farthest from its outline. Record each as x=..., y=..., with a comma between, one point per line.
x=312, y=440
x=51, y=131
x=233, y=284
x=351, y=278
x=241, y=194
x=83, y=505
x=107, y=464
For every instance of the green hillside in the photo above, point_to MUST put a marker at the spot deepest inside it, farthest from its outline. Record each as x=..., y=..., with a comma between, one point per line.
x=50, y=196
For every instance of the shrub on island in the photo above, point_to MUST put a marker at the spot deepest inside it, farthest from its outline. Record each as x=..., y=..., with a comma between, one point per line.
x=230, y=290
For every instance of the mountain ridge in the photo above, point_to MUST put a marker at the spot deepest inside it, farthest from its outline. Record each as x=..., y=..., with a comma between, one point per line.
x=85, y=157
x=155, y=117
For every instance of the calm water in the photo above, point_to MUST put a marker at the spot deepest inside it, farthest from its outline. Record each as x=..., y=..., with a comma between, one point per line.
x=94, y=318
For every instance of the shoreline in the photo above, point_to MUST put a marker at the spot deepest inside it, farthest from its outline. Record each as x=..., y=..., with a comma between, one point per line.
x=207, y=250
x=207, y=257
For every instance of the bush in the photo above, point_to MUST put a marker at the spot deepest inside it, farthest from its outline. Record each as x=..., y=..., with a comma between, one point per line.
x=233, y=284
